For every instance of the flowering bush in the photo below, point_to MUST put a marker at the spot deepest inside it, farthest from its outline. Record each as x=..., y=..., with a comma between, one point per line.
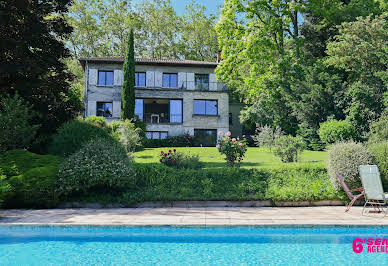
x=172, y=158
x=233, y=148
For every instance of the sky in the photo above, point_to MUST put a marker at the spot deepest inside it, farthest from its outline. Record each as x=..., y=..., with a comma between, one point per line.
x=212, y=6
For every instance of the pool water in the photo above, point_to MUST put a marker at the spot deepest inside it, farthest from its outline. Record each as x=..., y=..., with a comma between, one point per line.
x=27, y=245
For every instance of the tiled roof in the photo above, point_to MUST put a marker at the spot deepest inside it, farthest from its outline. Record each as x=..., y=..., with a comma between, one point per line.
x=145, y=61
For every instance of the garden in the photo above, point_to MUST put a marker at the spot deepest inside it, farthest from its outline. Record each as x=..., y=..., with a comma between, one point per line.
x=92, y=161
x=315, y=102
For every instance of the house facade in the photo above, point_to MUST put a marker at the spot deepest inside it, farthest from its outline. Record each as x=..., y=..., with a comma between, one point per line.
x=173, y=97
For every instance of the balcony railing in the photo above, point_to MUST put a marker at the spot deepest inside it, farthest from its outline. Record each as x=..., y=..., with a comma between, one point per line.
x=161, y=118
x=204, y=86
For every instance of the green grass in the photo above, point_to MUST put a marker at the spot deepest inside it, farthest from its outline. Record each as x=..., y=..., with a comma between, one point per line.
x=254, y=158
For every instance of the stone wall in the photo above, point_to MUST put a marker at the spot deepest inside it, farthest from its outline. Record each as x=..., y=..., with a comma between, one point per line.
x=154, y=89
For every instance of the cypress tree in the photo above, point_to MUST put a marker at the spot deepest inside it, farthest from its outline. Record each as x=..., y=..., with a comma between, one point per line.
x=128, y=89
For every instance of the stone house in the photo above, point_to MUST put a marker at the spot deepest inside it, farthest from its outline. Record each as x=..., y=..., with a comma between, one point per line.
x=173, y=97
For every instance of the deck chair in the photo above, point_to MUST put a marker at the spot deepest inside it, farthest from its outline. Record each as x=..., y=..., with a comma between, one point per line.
x=349, y=192
x=373, y=188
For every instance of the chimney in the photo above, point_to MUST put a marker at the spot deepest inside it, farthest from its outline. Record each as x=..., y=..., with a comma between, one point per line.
x=218, y=56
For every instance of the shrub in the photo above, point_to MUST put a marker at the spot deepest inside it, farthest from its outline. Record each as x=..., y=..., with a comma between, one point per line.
x=159, y=183
x=16, y=130
x=4, y=187
x=333, y=131
x=172, y=158
x=380, y=153
x=72, y=135
x=99, y=165
x=379, y=130
x=184, y=140
x=288, y=148
x=233, y=148
x=97, y=121
x=31, y=178
x=346, y=157
x=266, y=136
x=128, y=135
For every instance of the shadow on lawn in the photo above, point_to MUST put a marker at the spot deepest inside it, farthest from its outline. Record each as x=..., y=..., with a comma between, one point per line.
x=223, y=164
x=145, y=157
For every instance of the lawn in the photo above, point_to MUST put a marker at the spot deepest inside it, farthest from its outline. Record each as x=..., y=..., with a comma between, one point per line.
x=254, y=158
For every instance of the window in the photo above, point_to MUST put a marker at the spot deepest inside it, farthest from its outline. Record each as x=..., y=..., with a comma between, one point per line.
x=201, y=81
x=230, y=119
x=176, y=110
x=140, y=79
x=206, y=137
x=205, y=107
x=139, y=108
x=105, y=78
x=104, y=109
x=170, y=80
x=156, y=134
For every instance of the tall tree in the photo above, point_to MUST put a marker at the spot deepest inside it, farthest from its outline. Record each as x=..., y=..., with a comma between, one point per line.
x=31, y=60
x=360, y=49
x=198, y=38
x=260, y=43
x=128, y=89
x=160, y=28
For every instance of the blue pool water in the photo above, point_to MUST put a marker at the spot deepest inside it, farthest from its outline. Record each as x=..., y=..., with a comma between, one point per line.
x=25, y=245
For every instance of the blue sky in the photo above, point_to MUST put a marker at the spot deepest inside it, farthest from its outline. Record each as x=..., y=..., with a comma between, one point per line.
x=212, y=6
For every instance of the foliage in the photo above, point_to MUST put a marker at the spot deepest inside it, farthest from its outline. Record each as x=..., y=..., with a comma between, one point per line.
x=102, y=28
x=16, y=130
x=290, y=74
x=345, y=158
x=380, y=153
x=234, y=149
x=266, y=136
x=100, y=165
x=185, y=140
x=288, y=147
x=333, y=131
x=128, y=134
x=97, y=121
x=360, y=50
x=379, y=130
x=261, y=39
x=4, y=187
x=31, y=178
x=31, y=60
x=172, y=158
x=72, y=135
x=198, y=38
x=261, y=158
x=157, y=182
x=128, y=89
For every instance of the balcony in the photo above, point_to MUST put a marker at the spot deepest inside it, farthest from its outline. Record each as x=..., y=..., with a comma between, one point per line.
x=161, y=118
x=204, y=86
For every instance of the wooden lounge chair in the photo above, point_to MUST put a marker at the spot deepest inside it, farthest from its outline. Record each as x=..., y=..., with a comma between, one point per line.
x=349, y=192
x=373, y=188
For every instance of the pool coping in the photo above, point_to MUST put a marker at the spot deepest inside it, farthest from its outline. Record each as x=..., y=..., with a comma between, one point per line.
x=64, y=225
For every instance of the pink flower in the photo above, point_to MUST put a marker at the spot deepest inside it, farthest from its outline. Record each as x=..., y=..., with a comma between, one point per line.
x=234, y=140
x=169, y=151
x=161, y=152
x=220, y=133
x=174, y=150
x=227, y=134
x=218, y=146
x=240, y=144
x=165, y=155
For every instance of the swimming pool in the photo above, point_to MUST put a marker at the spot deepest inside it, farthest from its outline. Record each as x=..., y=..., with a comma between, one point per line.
x=56, y=245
